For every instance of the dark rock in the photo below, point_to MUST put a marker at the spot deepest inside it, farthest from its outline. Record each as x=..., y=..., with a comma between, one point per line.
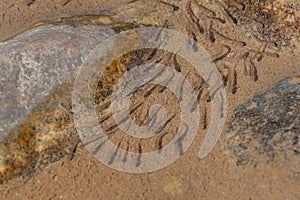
x=267, y=126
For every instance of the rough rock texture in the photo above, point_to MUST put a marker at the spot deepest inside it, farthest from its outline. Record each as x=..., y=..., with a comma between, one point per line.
x=36, y=82
x=37, y=69
x=272, y=21
x=267, y=126
x=40, y=129
x=32, y=65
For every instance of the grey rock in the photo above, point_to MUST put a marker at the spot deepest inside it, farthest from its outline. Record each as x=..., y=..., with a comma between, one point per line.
x=36, y=61
x=267, y=127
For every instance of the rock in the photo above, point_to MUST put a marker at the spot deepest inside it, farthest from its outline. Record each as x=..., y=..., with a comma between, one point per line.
x=274, y=21
x=267, y=126
x=36, y=74
x=36, y=61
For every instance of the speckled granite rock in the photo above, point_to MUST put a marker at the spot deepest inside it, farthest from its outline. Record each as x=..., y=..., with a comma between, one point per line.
x=267, y=126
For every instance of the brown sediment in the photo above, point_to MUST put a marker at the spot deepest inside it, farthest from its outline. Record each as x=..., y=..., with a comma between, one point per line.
x=211, y=178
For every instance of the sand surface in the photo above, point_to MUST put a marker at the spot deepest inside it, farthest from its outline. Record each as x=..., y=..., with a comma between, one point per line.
x=214, y=177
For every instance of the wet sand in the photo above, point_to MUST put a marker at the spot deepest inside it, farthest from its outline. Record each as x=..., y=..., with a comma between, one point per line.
x=214, y=177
